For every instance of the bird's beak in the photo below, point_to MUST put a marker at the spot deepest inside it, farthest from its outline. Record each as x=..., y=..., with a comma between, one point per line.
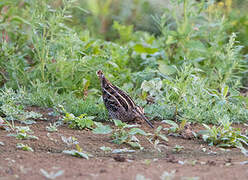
x=147, y=121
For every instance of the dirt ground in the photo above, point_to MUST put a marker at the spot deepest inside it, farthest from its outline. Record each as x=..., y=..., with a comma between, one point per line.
x=195, y=161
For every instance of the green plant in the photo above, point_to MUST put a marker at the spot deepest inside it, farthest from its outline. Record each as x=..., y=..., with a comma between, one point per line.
x=52, y=127
x=120, y=135
x=78, y=152
x=106, y=149
x=24, y=132
x=157, y=135
x=102, y=129
x=156, y=138
x=194, y=69
x=174, y=127
x=80, y=122
x=12, y=106
x=24, y=147
x=177, y=148
x=69, y=141
x=224, y=135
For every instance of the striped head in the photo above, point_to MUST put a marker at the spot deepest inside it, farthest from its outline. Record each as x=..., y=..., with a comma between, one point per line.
x=100, y=74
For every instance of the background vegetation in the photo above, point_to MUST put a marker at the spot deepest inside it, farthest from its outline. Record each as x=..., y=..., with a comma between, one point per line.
x=180, y=59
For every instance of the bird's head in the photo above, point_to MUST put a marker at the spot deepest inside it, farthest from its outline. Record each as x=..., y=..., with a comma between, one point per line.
x=101, y=77
x=100, y=74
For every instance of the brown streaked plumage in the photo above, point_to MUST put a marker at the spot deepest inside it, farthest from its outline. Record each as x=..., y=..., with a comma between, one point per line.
x=118, y=103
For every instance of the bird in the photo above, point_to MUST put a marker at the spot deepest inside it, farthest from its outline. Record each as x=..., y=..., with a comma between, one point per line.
x=118, y=103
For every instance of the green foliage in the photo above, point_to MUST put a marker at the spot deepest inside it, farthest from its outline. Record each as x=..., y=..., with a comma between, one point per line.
x=24, y=147
x=193, y=68
x=120, y=135
x=195, y=101
x=52, y=127
x=78, y=152
x=177, y=148
x=81, y=122
x=101, y=129
x=224, y=135
x=106, y=149
x=157, y=135
x=12, y=106
x=127, y=134
x=24, y=132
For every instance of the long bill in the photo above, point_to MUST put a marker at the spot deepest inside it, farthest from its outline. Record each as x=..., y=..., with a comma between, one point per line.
x=148, y=122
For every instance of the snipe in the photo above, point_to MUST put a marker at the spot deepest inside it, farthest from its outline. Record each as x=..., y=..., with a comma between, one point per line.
x=118, y=103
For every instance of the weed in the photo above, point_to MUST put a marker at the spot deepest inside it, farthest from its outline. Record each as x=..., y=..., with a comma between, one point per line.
x=120, y=135
x=225, y=135
x=192, y=57
x=70, y=140
x=78, y=152
x=24, y=147
x=81, y=122
x=52, y=127
x=125, y=150
x=23, y=132
x=12, y=106
x=157, y=136
x=177, y=148
x=106, y=149
x=102, y=129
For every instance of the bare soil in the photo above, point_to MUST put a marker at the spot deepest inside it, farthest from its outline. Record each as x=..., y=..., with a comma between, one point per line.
x=197, y=159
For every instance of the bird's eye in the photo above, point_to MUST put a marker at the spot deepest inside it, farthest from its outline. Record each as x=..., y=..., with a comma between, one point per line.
x=99, y=72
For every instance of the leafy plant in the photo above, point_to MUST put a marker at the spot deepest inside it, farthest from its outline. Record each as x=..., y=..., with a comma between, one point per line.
x=80, y=122
x=120, y=135
x=24, y=147
x=70, y=140
x=106, y=149
x=78, y=152
x=157, y=135
x=52, y=127
x=156, y=138
x=224, y=135
x=177, y=148
x=12, y=106
x=174, y=128
x=23, y=132
x=102, y=129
